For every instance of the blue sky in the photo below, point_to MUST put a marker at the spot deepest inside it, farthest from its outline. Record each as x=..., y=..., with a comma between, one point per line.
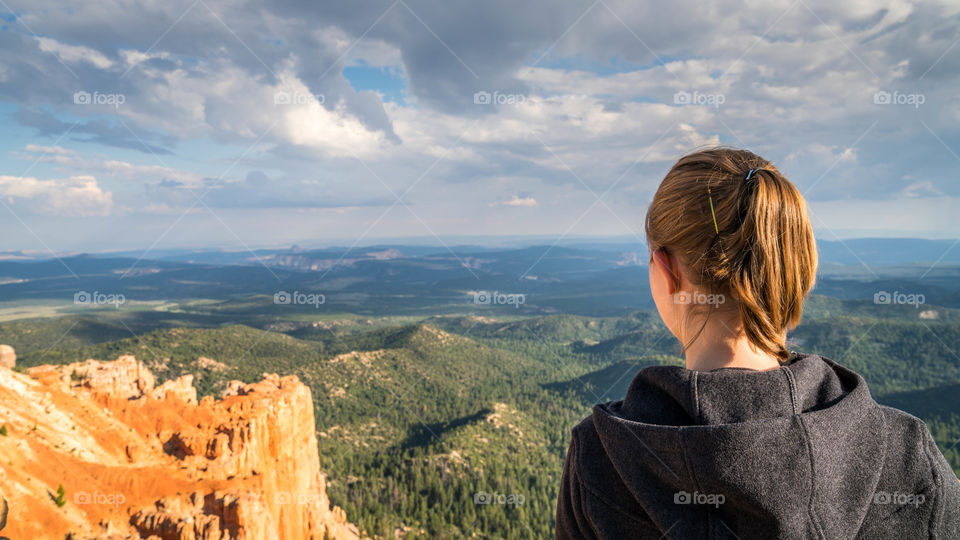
x=136, y=125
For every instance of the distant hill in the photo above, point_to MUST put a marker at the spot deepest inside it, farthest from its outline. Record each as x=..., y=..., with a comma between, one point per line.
x=422, y=281
x=851, y=251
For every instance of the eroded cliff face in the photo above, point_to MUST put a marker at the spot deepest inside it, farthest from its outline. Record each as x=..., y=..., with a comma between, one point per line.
x=138, y=460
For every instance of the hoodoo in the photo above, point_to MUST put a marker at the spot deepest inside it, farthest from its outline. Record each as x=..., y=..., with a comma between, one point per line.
x=97, y=450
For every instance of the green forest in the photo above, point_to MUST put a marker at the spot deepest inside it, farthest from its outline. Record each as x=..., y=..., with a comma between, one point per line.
x=457, y=426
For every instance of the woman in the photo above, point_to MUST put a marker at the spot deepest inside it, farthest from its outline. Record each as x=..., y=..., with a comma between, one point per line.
x=750, y=440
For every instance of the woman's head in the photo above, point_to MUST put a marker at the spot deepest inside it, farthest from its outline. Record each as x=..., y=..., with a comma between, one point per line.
x=729, y=234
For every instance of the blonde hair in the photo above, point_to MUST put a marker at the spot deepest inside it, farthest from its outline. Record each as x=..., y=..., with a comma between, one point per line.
x=741, y=229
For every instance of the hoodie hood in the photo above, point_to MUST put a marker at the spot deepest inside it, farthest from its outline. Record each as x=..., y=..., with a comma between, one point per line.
x=704, y=454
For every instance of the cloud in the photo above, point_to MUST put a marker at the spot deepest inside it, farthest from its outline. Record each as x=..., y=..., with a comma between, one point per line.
x=307, y=121
x=74, y=196
x=72, y=53
x=98, y=131
x=795, y=82
x=519, y=201
x=72, y=160
x=55, y=150
x=921, y=189
x=257, y=191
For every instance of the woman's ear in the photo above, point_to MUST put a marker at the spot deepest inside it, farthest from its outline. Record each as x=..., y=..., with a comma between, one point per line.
x=668, y=264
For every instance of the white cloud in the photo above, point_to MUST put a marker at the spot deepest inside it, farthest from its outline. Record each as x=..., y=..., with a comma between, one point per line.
x=306, y=121
x=921, y=189
x=74, y=53
x=71, y=160
x=825, y=155
x=132, y=57
x=74, y=196
x=519, y=201
x=57, y=150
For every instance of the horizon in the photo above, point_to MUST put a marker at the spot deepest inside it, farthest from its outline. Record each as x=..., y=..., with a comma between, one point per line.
x=462, y=242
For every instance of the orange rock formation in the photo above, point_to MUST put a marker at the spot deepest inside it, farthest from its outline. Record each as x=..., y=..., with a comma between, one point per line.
x=142, y=461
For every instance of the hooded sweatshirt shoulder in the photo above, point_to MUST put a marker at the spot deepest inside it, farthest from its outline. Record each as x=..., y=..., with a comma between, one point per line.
x=802, y=451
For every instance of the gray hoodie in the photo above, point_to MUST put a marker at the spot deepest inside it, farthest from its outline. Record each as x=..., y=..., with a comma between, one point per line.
x=802, y=451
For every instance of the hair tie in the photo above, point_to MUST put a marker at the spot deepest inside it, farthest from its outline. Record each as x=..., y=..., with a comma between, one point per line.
x=750, y=173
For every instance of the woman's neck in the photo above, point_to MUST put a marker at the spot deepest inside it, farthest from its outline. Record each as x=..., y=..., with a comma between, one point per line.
x=723, y=345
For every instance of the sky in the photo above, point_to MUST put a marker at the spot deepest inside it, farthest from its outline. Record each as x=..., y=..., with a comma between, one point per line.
x=241, y=124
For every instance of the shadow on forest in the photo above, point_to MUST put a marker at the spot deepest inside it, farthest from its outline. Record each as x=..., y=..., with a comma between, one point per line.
x=422, y=433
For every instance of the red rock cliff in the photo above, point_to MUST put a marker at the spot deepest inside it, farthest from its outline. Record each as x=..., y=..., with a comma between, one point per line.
x=138, y=461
